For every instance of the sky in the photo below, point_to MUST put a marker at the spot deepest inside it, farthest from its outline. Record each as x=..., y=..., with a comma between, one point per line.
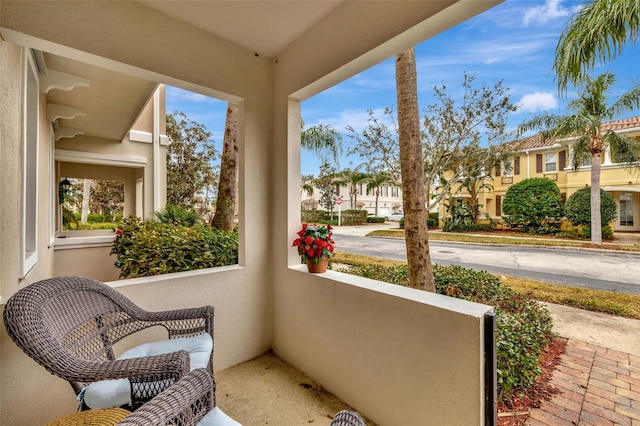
x=513, y=42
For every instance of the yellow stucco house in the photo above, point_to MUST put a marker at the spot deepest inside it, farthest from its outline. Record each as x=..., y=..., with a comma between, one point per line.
x=81, y=94
x=551, y=159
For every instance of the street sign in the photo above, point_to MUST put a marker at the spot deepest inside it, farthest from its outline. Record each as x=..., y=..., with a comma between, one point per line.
x=339, y=200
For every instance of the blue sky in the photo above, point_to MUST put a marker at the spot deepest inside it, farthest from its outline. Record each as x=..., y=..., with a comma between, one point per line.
x=514, y=42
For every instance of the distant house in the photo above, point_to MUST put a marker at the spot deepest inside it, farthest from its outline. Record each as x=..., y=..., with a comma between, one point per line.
x=551, y=159
x=389, y=199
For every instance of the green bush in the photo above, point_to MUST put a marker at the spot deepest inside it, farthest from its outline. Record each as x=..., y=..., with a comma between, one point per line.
x=99, y=225
x=531, y=203
x=145, y=248
x=524, y=326
x=607, y=232
x=353, y=217
x=578, y=207
x=375, y=219
x=177, y=215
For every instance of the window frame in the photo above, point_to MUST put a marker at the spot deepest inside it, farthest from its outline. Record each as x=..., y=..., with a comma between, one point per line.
x=547, y=163
x=29, y=165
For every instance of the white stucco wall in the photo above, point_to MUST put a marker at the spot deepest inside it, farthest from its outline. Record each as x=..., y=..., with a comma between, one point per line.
x=402, y=356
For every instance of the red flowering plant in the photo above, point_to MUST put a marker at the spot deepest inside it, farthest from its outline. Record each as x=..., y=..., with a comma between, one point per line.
x=314, y=242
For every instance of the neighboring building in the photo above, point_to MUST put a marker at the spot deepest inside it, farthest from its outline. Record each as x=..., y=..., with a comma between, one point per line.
x=389, y=199
x=552, y=159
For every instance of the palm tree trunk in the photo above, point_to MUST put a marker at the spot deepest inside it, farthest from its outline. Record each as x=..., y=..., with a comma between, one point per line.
x=411, y=165
x=596, y=217
x=86, y=198
x=226, y=203
x=377, y=194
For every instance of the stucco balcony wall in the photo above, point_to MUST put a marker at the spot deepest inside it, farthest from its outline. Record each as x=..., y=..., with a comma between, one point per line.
x=399, y=355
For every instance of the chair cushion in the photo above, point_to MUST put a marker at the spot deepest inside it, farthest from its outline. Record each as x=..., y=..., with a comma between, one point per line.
x=114, y=393
x=216, y=417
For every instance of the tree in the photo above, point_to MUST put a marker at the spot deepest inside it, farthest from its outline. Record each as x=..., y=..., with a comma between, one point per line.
x=325, y=182
x=596, y=33
x=584, y=124
x=323, y=140
x=578, y=208
x=306, y=185
x=189, y=160
x=473, y=183
x=352, y=178
x=411, y=166
x=105, y=197
x=228, y=183
x=375, y=182
x=531, y=202
x=453, y=130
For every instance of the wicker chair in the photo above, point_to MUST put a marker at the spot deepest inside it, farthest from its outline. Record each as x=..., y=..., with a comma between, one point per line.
x=348, y=418
x=185, y=403
x=70, y=324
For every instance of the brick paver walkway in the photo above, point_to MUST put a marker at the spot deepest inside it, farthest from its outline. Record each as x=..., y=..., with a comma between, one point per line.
x=598, y=386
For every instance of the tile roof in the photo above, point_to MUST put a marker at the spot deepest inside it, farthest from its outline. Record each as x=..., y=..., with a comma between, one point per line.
x=536, y=140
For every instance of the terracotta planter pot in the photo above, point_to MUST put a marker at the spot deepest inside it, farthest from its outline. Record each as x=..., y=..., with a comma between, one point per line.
x=318, y=268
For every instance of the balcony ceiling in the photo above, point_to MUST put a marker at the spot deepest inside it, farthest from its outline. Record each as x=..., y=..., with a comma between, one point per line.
x=264, y=27
x=112, y=100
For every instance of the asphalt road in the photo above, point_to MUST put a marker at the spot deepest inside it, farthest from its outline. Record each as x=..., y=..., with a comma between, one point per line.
x=605, y=270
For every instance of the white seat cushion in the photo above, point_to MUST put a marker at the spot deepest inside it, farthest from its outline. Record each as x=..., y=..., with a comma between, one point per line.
x=114, y=393
x=217, y=417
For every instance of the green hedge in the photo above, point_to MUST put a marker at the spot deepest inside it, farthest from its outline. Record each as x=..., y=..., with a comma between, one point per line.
x=523, y=324
x=375, y=219
x=145, y=248
x=353, y=217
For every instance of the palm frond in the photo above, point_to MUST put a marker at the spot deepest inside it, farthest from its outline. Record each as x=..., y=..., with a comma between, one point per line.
x=596, y=33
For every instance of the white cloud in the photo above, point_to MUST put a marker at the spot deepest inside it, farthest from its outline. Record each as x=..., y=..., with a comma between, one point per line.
x=537, y=101
x=550, y=10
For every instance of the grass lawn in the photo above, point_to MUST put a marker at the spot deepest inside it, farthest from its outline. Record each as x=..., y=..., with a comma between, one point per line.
x=503, y=238
x=624, y=305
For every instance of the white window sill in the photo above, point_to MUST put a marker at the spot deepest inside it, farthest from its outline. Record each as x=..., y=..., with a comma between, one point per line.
x=66, y=243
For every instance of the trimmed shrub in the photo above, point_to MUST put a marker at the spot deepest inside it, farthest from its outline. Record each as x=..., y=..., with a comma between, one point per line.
x=375, y=219
x=578, y=207
x=177, y=215
x=524, y=326
x=353, y=217
x=145, y=248
x=530, y=205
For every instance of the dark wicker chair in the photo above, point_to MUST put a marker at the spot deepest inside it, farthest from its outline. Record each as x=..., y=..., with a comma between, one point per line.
x=184, y=403
x=348, y=418
x=70, y=324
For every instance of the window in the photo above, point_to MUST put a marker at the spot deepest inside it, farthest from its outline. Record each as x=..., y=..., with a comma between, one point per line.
x=385, y=191
x=507, y=167
x=394, y=191
x=29, y=170
x=550, y=162
x=359, y=189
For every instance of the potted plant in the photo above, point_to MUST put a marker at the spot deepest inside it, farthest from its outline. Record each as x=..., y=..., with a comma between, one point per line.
x=315, y=246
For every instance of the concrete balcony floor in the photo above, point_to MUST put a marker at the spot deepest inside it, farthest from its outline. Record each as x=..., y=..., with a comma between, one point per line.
x=268, y=391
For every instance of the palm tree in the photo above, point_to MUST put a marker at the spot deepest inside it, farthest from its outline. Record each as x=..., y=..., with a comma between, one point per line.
x=352, y=178
x=590, y=110
x=375, y=182
x=597, y=32
x=323, y=140
x=228, y=183
x=413, y=179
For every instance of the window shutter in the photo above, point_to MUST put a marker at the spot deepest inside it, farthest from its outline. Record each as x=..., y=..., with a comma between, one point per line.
x=538, y=163
x=498, y=205
x=563, y=160
x=516, y=165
